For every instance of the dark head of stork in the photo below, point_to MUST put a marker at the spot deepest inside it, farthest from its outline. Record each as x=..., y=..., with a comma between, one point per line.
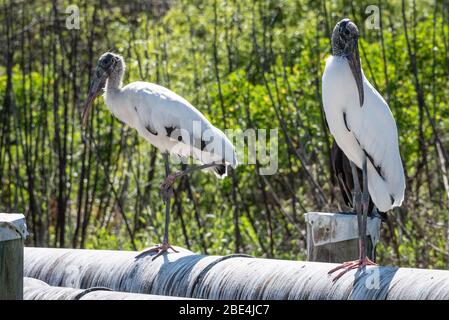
x=110, y=65
x=345, y=38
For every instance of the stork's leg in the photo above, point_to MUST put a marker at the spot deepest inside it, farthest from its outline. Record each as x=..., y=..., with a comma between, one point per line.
x=365, y=204
x=166, y=196
x=361, y=203
x=166, y=186
x=356, y=193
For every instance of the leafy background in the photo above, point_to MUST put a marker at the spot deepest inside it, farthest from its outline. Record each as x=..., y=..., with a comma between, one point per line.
x=244, y=64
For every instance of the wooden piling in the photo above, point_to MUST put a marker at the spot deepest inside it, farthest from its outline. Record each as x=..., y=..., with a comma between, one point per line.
x=12, y=234
x=333, y=237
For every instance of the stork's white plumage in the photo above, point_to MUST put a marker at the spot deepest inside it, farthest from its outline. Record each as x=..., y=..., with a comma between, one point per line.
x=170, y=123
x=364, y=129
x=164, y=119
x=361, y=131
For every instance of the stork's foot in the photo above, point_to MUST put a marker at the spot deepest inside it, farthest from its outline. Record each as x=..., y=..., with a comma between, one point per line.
x=167, y=187
x=159, y=250
x=351, y=265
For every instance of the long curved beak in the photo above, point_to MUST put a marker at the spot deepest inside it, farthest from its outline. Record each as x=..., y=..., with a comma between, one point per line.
x=354, y=64
x=95, y=89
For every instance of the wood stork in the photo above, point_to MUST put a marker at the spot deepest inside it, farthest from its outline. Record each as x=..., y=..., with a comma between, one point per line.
x=166, y=120
x=365, y=130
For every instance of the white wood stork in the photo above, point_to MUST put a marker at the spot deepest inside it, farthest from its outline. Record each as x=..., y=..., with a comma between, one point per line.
x=365, y=130
x=164, y=119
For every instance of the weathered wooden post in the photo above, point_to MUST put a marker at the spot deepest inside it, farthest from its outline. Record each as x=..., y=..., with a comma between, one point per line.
x=333, y=237
x=12, y=233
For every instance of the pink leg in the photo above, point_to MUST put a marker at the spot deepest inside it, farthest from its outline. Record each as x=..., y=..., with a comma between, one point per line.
x=351, y=265
x=360, y=200
x=160, y=249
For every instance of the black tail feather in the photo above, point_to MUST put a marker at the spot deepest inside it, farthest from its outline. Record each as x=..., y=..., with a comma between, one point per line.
x=220, y=170
x=343, y=173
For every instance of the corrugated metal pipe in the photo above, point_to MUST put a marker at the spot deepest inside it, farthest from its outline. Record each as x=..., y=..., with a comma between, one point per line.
x=186, y=274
